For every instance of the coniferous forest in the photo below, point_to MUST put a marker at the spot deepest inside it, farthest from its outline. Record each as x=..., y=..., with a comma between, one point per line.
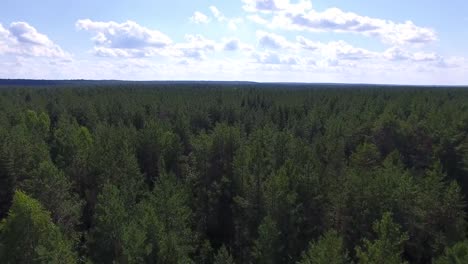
x=233, y=173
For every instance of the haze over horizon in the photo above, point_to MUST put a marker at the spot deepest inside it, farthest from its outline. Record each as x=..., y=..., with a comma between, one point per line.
x=397, y=42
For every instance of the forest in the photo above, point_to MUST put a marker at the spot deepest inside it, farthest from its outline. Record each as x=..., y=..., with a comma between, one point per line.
x=230, y=173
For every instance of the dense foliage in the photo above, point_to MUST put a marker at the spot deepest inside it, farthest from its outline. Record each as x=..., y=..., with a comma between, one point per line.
x=186, y=173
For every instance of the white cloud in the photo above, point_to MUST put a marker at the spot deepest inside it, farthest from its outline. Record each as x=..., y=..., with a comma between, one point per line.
x=268, y=6
x=217, y=14
x=307, y=44
x=272, y=41
x=195, y=47
x=336, y=52
x=22, y=39
x=199, y=18
x=270, y=57
x=232, y=45
x=397, y=54
x=125, y=35
x=127, y=39
x=130, y=40
x=232, y=23
x=257, y=19
x=301, y=16
x=340, y=50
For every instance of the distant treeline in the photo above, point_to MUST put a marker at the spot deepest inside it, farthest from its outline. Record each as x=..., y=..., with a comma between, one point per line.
x=208, y=172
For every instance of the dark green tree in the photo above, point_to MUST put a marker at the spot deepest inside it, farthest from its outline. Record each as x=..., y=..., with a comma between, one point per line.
x=7, y=183
x=267, y=246
x=223, y=257
x=167, y=218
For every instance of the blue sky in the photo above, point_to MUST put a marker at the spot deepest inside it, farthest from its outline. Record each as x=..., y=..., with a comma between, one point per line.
x=403, y=42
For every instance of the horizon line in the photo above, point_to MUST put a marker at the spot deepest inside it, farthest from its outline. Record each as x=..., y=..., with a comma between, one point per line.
x=2, y=80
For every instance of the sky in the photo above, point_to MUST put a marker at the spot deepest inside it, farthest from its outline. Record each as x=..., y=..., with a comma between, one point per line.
x=340, y=41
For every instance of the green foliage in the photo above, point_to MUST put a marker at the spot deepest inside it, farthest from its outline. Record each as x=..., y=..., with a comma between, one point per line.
x=329, y=248
x=28, y=235
x=366, y=156
x=456, y=254
x=267, y=246
x=51, y=188
x=39, y=125
x=167, y=219
x=387, y=247
x=256, y=173
x=110, y=222
x=223, y=257
x=7, y=183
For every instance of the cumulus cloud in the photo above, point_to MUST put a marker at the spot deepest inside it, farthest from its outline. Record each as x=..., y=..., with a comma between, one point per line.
x=307, y=44
x=22, y=39
x=127, y=35
x=130, y=40
x=274, y=58
x=272, y=41
x=232, y=45
x=336, y=50
x=195, y=47
x=258, y=19
x=341, y=50
x=127, y=39
x=336, y=20
x=268, y=6
x=398, y=54
x=301, y=16
x=199, y=18
x=232, y=23
x=217, y=14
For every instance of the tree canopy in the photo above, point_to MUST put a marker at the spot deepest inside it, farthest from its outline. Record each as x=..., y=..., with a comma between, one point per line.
x=231, y=173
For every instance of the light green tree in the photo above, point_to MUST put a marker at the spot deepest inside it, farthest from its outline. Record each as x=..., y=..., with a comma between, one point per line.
x=387, y=247
x=53, y=189
x=456, y=254
x=329, y=249
x=28, y=235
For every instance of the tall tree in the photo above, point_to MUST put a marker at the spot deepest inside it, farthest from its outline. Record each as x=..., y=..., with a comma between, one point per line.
x=387, y=248
x=329, y=248
x=114, y=235
x=28, y=235
x=167, y=218
x=267, y=246
x=7, y=183
x=456, y=254
x=223, y=257
x=53, y=189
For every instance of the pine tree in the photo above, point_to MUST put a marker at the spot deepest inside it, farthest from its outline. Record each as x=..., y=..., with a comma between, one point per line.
x=387, y=248
x=329, y=249
x=7, y=183
x=28, y=235
x=267, y=246
x=111, y=218
x=456, y=254
x=54, y=190
x=223, y=257
x=169, y=222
